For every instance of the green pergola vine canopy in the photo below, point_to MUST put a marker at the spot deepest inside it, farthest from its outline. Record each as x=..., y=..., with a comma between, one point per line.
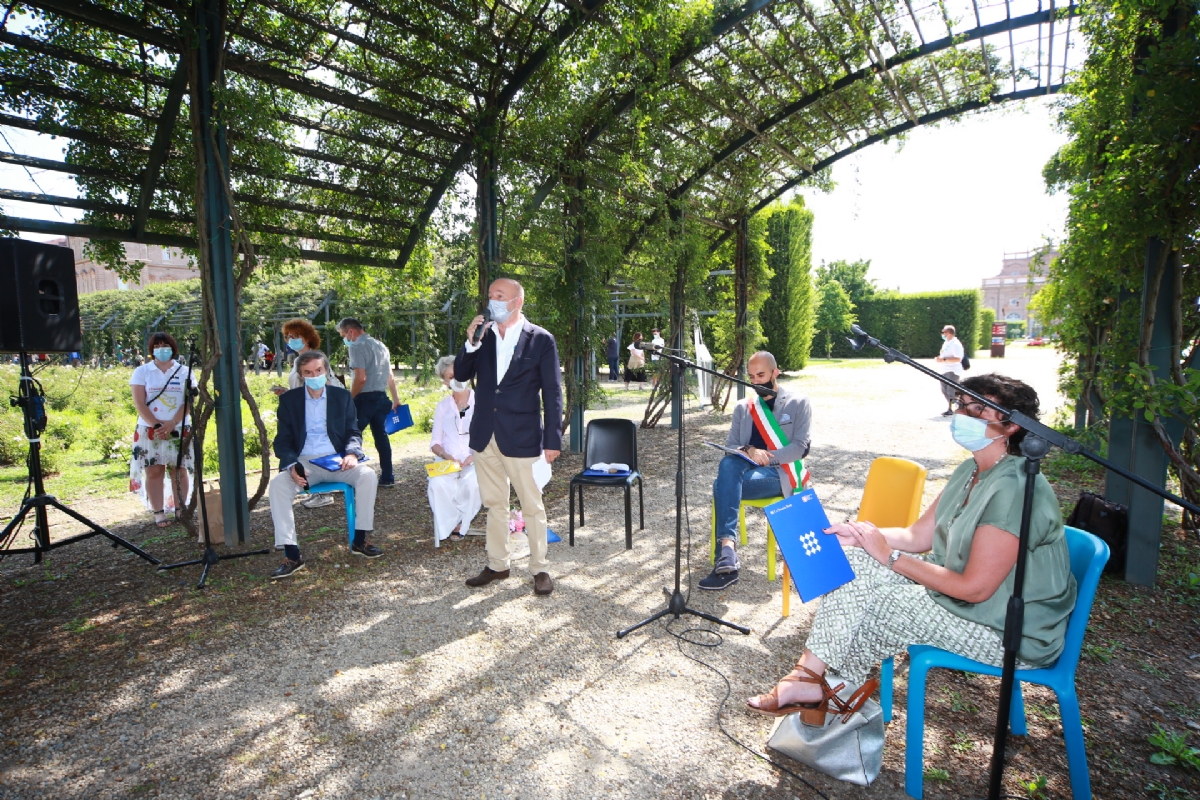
x=351, y=123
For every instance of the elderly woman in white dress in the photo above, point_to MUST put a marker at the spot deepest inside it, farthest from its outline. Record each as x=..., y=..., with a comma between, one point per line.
x=454, y=497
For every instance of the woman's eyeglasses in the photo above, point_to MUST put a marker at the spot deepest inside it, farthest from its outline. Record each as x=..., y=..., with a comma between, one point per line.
x=974, y=408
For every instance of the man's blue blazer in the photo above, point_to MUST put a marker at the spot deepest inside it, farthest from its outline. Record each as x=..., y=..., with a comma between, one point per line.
x=341, y=420
x=524, y=412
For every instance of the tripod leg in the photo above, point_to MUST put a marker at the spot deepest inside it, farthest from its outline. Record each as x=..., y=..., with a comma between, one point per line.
x=718, y=620
x=116, y=540
x=643, y=623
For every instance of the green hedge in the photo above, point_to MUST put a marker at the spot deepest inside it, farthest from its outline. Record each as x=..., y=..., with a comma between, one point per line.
x=987, y=318
x=912, y=323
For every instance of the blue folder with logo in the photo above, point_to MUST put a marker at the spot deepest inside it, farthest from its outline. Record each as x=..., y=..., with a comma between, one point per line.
x=815, y=558
x=397, y=419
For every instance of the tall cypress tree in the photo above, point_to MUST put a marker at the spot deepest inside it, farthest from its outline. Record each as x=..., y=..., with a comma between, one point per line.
x=787, y=315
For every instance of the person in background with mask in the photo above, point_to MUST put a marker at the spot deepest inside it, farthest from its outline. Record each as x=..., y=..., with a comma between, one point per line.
x=318, y=420
x=157, y=388
x=453, y=497
x=373, y=380
x=300, y=336
x=951, y=360
x=956, y=596
x=519, y=418
x=773, y=432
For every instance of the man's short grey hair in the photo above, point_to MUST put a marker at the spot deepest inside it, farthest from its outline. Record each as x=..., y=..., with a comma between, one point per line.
x=950, y=328
x=763, y=355
x=515, y=282
x=311, y=355
x=444, y=363
x=349, y=324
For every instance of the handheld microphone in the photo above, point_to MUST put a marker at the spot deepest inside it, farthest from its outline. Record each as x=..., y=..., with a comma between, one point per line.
x=487, y=317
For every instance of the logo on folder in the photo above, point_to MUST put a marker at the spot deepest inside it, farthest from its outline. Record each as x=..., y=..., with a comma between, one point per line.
x=811, y=545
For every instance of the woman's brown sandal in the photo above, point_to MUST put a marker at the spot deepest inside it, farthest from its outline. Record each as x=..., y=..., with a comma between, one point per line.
x=810, y=713
x=160, y=518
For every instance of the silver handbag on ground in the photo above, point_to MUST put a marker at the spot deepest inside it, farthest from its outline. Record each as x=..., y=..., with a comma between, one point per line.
x=848, y=747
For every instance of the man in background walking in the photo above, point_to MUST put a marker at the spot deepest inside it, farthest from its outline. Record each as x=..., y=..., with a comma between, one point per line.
x=371, y=364
x=951, y=360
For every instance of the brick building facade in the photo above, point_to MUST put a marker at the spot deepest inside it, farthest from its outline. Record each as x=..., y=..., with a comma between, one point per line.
x=1009, y=293
x=161, y=265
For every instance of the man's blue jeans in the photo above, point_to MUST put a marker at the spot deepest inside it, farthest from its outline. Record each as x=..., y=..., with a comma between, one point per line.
x=738, y=480
x=373, y=408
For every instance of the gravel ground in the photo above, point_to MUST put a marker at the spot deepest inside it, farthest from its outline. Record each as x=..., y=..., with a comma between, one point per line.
x=391, y=678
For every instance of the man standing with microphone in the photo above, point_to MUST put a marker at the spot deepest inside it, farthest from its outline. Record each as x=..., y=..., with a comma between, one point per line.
x=515, y=364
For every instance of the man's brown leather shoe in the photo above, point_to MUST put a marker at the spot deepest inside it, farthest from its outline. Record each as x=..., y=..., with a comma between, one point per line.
x=487, y=576
x=542, y=584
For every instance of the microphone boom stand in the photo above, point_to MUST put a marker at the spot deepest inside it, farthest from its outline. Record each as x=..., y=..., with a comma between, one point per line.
x=1034, y=446
x=677, y=605
x=210, y=558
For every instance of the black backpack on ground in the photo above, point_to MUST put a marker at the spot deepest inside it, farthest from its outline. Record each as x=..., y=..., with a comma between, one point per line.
x=1109, y=521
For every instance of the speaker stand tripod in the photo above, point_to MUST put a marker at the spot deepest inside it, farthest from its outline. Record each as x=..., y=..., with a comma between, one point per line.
x=677, y=604
x=29, y=398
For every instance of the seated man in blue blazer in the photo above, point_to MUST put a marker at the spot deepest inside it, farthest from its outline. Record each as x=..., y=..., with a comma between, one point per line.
x=318, y=420
x=773, y=432
x=518, y=417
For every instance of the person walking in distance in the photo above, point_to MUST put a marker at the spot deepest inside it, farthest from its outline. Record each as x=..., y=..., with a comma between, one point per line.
x=612, y=352
x=951, y=360
x=371, y=364
x=518, y=417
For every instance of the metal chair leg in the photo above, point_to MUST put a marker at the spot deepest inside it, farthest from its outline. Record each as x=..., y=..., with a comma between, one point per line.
x=641, y=507
x=628, y=520
x=571, y=524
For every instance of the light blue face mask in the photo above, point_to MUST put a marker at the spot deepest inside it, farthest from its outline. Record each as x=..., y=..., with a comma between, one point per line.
x=346, y=341
x=970, y=432
x=499, y=311
x=296, y=344
x=163, y=353
x=317, y=383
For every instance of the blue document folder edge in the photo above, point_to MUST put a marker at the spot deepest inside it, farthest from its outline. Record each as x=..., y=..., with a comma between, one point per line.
x=399, y=419
x=815, y=559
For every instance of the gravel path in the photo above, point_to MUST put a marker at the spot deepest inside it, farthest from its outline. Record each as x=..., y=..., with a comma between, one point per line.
x=393, y=679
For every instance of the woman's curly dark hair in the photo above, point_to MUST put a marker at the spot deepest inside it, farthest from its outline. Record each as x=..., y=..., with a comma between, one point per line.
x=1010, y=393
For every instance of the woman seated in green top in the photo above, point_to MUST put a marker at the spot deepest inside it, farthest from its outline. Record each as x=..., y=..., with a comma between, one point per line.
x=955, y=595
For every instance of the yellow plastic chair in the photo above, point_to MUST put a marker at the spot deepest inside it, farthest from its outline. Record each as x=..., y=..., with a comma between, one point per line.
x=891, y=499
x=763, y=503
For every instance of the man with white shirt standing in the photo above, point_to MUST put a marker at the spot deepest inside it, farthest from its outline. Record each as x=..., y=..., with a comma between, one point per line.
x=951, y=360
x=318, y=420
x=518, y=417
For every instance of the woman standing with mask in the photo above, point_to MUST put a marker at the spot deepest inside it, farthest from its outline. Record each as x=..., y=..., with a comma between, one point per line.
x=956, y=596
x=158, y=395
x=301, y=336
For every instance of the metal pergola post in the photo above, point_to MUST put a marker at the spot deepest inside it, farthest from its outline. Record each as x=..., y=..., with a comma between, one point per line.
x=678, y=308
x=486, y=211
x=218, y=231
x=1133, y=443
x=575, y=268
x=741, y=290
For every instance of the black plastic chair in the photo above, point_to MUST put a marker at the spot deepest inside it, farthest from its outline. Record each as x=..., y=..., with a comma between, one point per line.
x=610, y=441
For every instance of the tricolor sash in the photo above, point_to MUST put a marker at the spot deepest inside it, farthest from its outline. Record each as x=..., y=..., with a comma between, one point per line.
x=772, y=434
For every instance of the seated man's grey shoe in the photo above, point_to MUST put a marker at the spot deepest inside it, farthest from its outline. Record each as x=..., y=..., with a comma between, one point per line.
x=718, y=580
x=318, y=501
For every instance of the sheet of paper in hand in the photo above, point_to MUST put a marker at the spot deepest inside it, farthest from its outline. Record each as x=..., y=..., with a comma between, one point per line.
x=731, y=451
x=332, y=463
x=816, y=559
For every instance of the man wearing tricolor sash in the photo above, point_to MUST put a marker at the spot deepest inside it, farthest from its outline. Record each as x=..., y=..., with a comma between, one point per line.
x=773, y=433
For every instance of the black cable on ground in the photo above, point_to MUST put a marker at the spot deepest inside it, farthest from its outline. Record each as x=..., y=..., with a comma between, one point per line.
x=682, y=637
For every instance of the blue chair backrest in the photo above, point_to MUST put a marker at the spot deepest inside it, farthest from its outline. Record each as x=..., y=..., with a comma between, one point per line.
x=1088, y=557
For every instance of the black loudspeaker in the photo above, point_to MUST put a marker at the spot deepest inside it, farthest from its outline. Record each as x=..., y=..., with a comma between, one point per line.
x=39, y=303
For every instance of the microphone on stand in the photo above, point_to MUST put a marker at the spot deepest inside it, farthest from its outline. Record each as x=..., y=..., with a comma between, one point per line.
x=860, y=339
x=487, y=317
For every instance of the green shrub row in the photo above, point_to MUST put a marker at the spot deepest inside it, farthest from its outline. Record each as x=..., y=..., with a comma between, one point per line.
x=912, y=323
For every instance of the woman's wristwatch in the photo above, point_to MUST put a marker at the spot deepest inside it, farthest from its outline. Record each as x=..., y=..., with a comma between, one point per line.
x=892, y=559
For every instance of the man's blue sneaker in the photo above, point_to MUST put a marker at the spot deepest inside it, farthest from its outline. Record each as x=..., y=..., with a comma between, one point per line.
x=727, y=561
x=718, y=580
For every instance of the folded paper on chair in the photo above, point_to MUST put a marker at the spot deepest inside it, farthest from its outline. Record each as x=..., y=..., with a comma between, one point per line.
x=602, y=469
x=332, y=463
x=815, y=559
x=445, y=467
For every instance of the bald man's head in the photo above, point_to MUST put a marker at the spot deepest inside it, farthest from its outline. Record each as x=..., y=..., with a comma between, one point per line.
x=509, y=292
x=762, y=369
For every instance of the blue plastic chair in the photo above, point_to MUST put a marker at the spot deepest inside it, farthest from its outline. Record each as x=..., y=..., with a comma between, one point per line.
x=1088, y=556
x=347, y=497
